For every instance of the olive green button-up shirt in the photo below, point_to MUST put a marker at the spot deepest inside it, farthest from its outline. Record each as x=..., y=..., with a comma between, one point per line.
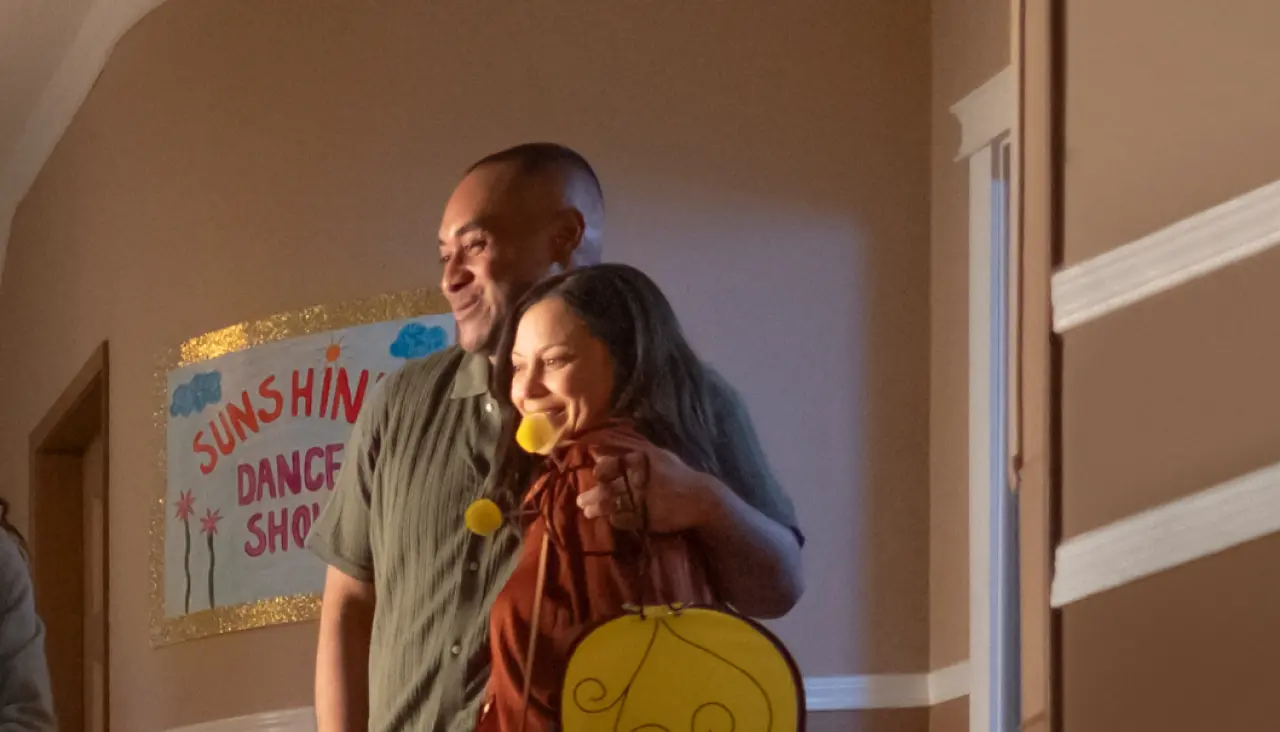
x=419, y=454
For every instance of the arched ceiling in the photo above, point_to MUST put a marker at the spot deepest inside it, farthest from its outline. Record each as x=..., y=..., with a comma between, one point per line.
x=51, y=52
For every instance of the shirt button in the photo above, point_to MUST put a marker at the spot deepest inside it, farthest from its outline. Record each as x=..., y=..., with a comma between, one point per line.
x=473, y=566
x=488, y=407
x=456, y=650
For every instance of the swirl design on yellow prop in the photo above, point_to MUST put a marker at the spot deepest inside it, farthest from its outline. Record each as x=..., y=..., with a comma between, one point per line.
x=696, y=669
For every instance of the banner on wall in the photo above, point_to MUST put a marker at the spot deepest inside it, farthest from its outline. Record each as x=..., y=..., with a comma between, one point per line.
x=255, y=420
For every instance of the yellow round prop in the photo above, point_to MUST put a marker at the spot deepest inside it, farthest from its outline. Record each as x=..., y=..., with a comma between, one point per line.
x=695, y=668
x=483, y=517
x=536, y=434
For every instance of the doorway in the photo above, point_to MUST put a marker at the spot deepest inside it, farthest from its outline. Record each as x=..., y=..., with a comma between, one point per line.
x=69, y=540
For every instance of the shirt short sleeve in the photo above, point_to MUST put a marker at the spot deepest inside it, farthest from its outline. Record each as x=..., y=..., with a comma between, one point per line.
x=743, y=465
x=341, y=536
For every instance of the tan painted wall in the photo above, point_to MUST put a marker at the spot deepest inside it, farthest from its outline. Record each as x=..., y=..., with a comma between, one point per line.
x=952, y=716
x=1188, y=123
x=240, y=158
x=1171, y=108
x=970, y=45
x=870, y=720
x=1185, y=93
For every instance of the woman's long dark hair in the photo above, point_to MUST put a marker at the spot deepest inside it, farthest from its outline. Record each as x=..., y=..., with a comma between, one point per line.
x=658, y=382
x=10, y=529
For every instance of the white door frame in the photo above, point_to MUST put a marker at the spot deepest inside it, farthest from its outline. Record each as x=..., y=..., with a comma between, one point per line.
x=987, y=117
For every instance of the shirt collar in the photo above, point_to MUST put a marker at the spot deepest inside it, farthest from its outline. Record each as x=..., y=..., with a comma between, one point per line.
x=472, y=379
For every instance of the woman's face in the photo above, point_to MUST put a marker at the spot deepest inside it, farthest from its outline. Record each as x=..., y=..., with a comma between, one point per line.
x=560, y=369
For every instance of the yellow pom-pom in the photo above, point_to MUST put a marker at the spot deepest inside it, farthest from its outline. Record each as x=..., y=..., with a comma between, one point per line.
x=483, y=517
x=536, y=434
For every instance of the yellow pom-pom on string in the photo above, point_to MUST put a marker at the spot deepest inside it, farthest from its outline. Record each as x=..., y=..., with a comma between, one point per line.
x=483, y=517
x=536, y=434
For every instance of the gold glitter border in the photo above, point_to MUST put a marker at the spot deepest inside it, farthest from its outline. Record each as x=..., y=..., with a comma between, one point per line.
x=234, y=338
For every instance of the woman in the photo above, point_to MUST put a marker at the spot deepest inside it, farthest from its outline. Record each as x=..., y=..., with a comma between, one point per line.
x=598, y=353
x=24, y=675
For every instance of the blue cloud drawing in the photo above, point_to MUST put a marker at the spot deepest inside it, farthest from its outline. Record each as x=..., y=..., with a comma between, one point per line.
x=416, y=340
x=193, y=396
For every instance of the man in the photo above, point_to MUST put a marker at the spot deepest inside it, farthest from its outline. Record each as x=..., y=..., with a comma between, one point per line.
x=403, y=630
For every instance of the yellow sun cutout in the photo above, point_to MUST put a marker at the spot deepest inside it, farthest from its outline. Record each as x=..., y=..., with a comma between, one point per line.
x=670, y=668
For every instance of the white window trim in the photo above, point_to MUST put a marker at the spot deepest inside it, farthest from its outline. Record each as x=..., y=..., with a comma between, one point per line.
x=986, y=116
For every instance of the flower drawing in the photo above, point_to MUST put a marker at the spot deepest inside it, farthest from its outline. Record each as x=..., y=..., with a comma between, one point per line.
x=186, y=507
x=209, y=526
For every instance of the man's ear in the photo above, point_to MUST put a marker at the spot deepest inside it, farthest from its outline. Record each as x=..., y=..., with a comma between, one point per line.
x=573, y=227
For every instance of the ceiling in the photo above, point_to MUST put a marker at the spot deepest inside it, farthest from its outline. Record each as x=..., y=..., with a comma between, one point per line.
x=34, y=37
x=51, y=52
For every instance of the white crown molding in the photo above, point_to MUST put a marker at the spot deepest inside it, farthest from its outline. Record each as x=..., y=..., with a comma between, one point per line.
x=104, y=24
x=1167, y=536
x=822, y=694
x=987, y=112
x=1191, y=248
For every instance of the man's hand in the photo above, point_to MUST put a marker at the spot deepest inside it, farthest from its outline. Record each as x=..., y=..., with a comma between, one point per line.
x=754, y=560
x=642, y=486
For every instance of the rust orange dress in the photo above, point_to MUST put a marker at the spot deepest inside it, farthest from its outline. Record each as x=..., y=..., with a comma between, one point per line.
x=592, y=571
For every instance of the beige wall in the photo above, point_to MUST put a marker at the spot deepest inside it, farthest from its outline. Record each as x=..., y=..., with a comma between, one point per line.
x=970, y=45
x=1171, y=108
x=1185, y=93
x=239, y=158
x=870, y=720
x=952, y=716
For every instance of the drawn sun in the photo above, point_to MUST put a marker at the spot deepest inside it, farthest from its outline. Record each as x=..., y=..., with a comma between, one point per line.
x=333, y=352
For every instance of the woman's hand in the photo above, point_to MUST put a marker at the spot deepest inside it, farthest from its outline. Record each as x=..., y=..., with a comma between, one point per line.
x=642, y=486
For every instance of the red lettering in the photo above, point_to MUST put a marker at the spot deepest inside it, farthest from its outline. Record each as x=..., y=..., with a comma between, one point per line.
x=245, y=494
x=301, y=525
x=242, y=417
x=224, y=447
x=267, y=392
x=266, y=478
x=290, y=474
x=342, y=395
x=380, y=375
x=280, y=529
x=315, y=512
x=303, y=392
x=256, y=549
x=199, y=445
x=313, y=485
x=324, y=390
x=331, y=464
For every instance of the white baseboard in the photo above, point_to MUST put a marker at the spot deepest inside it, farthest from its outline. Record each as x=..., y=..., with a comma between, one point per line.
x=1164, y=537
x=1191, y=248
x=886, y=691
x=301, y=719
x=822, y=694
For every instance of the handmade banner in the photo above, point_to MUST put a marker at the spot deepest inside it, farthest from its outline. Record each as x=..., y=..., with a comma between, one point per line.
x=255, y=420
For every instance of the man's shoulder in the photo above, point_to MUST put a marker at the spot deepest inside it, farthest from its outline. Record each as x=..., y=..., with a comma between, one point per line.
x=425, y=374
x=722, y=394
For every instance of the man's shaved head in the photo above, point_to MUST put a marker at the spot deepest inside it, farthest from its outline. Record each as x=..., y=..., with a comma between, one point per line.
x=516, y=216
x=549, y=163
